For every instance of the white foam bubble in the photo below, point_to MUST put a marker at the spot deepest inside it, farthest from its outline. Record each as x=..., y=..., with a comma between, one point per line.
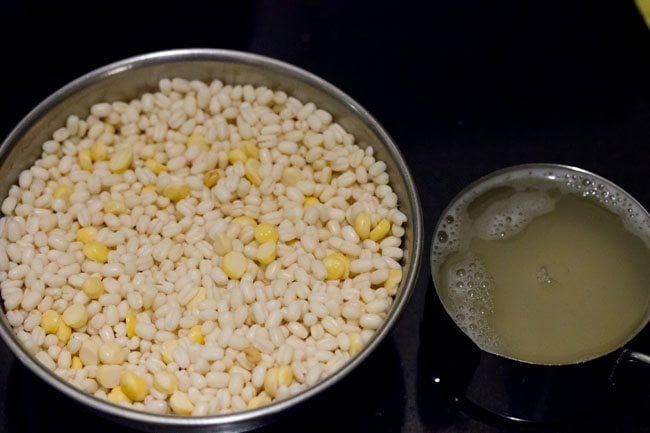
x=506, y=218
x=469, y=289
x=566, y=180
x=449, y=235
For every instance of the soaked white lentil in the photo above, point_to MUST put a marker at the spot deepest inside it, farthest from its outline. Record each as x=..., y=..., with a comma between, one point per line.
x=203, y=249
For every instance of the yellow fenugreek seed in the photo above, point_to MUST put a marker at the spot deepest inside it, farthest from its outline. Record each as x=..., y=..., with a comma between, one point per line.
x=165, y=381
x=76, y=363
x=195, y=335
x=258, y=401
x=86, y=234
x=155, y=166
x=120, y=161
x=200, y=296
x=253, y=355
x=244, y=220
x=234, y=264
x=250, y=148
x=285, y=375
x=197, y=139
x=62, y=191
x=131, y=321
x=50, y=320
x=334, y=267
x=167, y=350
x=148, y=188
x=180, y=403
x=362, y=225
x=114, y=207
x=63, y=333
x=356, y=343
x=176, y=191
x=98, y=151
x=205, y=147
x=266, y=252
x=392, y=282
x=85, y=160
x=75, y=316
x=337, y=266
x=252, y=171
x=211, y=177
x=265, y=232
x=380, y=231
x=133, y=386
x=117, y=396
x=93, y=287
x=271, y=381
x=237, y=155
x=96, y=251
x=346, y=262
x=310, y=201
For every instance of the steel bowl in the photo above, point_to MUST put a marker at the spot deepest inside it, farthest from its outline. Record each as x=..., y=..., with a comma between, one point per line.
x=129, y=78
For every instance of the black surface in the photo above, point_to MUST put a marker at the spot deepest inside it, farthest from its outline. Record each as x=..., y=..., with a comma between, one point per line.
x=463, y=86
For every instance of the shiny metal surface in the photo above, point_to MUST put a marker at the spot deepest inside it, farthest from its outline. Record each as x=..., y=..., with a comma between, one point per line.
x=485, y=183
x=127, y=79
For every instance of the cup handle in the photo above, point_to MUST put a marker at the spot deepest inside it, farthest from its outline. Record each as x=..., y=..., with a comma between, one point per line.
x=625, y=357
x=632, y=356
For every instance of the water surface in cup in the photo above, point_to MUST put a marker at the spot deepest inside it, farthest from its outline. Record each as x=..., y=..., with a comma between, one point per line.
x=545, y=266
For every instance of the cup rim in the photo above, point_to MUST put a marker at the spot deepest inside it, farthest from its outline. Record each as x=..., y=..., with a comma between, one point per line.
x=521, y=167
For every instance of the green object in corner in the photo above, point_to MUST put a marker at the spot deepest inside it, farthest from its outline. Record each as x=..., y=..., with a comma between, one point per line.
x=644, y=8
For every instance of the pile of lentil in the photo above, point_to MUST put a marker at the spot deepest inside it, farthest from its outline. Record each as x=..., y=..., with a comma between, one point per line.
x=200, y=250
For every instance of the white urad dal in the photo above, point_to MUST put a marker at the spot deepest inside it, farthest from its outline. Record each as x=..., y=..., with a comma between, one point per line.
x=200, y=250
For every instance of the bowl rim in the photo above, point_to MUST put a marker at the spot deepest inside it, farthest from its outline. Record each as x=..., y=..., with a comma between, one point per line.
x=238, y=57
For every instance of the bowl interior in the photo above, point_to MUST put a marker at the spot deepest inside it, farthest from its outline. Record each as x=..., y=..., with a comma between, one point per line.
x=130, y=78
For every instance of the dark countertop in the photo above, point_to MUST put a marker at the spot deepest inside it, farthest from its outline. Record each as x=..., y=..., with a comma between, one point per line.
x=463, y=86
